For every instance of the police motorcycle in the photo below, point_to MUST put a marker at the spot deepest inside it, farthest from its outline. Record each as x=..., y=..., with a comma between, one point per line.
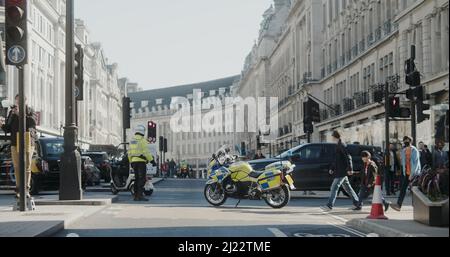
x=230, y=178
x=122, y=175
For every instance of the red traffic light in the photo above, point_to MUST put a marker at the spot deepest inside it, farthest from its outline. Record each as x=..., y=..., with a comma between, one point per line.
x=15, y=13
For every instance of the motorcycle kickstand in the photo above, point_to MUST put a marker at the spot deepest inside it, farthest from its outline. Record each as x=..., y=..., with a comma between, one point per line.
x=237, y=203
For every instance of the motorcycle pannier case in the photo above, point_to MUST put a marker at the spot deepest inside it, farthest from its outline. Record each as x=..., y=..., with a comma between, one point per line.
x=270, y=180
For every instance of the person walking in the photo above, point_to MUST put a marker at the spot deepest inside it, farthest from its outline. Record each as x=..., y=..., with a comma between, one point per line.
x=426, y=158
x=368, y=178
x=410, y=160
x=139, y=155
x=391, y=170
x=341, y=169
x=11, y=126
x=259, y=155
x=172, y=166
x=440, y=157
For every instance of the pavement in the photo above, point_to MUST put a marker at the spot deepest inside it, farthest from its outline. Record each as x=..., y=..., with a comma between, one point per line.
x=178, y=209
x=51, y=216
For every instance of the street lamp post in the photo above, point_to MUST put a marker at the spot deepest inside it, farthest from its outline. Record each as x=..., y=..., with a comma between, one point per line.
x=70, y=177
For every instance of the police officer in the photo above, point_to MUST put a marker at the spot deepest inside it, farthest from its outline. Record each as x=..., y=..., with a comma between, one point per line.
x=139, y=155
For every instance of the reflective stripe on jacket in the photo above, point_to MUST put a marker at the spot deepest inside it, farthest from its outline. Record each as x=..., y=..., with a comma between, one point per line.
x=139, y=151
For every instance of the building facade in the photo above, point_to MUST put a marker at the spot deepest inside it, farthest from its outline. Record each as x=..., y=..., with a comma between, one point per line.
x=98, y=119
x=194, y=147
x=340, y=52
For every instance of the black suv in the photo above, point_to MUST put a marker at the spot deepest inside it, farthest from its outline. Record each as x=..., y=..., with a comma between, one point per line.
x=102, y=162
x=313, y=163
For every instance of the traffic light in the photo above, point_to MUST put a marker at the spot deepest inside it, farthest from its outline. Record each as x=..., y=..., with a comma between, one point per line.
x=243, y=149
x=79, y=72
x=421, y=106
x=258, y=142
x=395, y=109
x=165, y=145
x=126, y=112
x=161, y=144
x=16, y=32
x=412, y=75
x=151, y=131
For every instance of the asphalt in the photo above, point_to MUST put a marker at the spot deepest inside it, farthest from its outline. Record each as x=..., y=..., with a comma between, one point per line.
x=178, y=209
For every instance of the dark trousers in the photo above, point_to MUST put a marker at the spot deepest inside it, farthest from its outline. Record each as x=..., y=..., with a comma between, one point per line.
x=389, y=182
x=364, y=193
x=403, y=189
x=140, y=172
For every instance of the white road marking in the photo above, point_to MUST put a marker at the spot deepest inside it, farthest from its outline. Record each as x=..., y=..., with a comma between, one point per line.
x=348, y=229
x=277, y=232
x=73, y=235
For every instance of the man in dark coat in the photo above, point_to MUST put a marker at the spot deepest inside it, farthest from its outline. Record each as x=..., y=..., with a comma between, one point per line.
x=340, y=169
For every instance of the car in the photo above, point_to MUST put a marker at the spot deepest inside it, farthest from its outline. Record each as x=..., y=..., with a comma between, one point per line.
x=47, y=164
x=313, y=162
x=102, y=162
x=91, y=175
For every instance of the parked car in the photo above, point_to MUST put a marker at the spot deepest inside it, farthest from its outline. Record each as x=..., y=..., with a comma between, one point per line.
x=313, y=162
x=47, y=163
x=102, y=162
x=91, y=175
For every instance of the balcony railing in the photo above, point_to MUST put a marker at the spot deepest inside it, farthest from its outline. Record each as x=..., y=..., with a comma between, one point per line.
x=337, y=110
x=378, y=34
x=325, y=114
x=349, y=104
x=362, y=45
x=361, y=99
x=342, y=60
x=355, y=50
x=370, y=39
x=388, y=27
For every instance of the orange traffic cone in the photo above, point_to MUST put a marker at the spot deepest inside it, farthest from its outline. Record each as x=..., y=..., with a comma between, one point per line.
x=377, y=202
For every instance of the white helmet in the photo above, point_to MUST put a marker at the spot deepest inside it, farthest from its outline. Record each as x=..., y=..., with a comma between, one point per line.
x=140, y=129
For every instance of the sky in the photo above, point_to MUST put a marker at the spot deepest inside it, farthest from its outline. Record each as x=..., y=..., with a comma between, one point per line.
x=162, y=43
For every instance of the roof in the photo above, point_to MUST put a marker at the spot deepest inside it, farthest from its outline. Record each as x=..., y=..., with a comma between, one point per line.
x=166, y=94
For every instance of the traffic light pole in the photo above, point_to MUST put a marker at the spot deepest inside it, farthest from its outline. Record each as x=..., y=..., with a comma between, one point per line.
x=21, y=142
x=70, y=177
x=387, y=128
x=413, y=122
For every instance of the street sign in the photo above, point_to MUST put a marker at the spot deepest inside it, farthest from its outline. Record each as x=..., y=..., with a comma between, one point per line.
x=77, y=92
x=16, y=54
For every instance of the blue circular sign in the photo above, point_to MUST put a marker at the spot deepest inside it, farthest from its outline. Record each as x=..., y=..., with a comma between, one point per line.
x=16, y=54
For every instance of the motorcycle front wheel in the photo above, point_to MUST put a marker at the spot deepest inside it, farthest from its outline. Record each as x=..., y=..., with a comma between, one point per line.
x=215, y=195
x=278, y=198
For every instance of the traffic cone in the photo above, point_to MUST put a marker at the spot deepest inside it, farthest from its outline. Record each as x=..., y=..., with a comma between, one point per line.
x=377, y=202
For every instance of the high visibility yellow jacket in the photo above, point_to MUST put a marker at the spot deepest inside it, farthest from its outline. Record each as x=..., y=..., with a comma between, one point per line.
x=139, y=151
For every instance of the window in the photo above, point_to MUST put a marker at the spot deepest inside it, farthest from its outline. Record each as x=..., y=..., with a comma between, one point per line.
x=310, y=152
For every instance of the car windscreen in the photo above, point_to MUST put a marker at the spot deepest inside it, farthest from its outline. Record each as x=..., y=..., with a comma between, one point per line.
x=98, y=158
x=55, y=148
x=285, y=155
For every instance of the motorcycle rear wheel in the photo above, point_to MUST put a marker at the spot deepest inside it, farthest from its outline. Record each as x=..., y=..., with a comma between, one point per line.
x=278, y=198
x=215, y=198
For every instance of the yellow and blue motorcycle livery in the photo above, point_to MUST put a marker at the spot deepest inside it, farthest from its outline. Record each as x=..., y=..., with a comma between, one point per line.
x=229, y=178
